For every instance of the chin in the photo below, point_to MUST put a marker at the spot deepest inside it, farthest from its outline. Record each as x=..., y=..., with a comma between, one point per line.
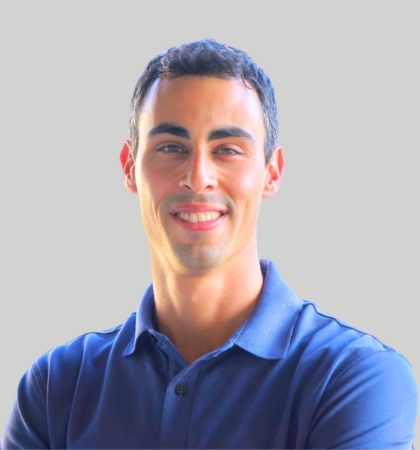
x=204, y=258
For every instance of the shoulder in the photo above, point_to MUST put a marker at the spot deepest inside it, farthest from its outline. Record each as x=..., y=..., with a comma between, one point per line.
x=317, y=331
x=330, y=344
x=89, y=351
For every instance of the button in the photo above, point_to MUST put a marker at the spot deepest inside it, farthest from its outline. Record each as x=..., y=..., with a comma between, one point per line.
x=181, y=388
x=152, y=338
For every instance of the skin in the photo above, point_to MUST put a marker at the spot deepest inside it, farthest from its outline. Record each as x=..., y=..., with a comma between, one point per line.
x=201, y=148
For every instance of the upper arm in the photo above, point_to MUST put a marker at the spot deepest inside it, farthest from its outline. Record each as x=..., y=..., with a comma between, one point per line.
x=27, y=425
x=371, y=404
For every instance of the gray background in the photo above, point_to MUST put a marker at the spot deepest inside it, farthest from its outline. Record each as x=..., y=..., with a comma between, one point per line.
x=343, y=228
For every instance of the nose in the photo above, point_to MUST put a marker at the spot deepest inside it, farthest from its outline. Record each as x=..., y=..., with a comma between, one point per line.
x=199, y=173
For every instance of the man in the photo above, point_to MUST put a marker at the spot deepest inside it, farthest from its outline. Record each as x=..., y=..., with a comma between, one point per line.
x=221, y=353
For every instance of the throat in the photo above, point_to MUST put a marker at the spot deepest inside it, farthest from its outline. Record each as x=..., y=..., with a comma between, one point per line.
x=199, y=311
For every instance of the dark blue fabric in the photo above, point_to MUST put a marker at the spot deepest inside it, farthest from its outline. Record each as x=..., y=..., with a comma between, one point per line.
x=290, y=377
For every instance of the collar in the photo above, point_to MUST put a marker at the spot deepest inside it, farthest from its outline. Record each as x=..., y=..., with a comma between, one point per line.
x=266, y=333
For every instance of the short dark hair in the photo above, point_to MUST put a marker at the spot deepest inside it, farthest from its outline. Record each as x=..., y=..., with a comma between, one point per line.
x=207, y=57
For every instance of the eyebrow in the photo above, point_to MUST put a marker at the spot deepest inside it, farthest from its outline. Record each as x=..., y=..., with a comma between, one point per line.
x=219, y=133
x=169, y=128
x=227, y=132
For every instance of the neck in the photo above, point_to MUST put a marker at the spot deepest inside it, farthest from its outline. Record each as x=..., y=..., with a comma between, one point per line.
x=200, y=311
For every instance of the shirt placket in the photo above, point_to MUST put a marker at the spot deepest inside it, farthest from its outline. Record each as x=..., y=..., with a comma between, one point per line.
x=177, y=409
x=178, y=398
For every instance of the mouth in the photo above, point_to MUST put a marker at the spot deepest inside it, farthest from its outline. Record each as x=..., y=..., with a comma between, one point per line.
x=199, y=217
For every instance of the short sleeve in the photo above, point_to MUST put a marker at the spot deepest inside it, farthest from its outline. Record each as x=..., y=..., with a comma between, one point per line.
x=27, y=425
x=371, y=404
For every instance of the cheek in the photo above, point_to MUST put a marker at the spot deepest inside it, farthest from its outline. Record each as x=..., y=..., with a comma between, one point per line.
x=249, y=194
x=248, y=185
x=153, y=185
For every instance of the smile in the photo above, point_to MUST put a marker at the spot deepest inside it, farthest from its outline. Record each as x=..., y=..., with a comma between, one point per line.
x=199, y=216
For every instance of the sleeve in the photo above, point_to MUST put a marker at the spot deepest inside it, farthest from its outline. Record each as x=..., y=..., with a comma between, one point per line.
x=27, y=425
x=371, y=404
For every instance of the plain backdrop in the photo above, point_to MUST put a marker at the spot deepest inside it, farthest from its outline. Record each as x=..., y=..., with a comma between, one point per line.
x=343, y=229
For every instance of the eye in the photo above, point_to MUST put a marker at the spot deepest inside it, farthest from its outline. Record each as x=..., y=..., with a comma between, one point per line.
x=171, y=148
x=227, y=151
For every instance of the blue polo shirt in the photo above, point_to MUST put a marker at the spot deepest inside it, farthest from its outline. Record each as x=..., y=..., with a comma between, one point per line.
x=289, y=377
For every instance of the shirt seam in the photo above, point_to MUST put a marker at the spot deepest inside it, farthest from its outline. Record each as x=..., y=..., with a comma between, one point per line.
x=339, y=322
x=385, y=347
x=37, y=374
x=108, y=332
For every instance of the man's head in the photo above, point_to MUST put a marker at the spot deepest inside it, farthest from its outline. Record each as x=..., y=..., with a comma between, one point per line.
x=197, y=160
x=207, y=58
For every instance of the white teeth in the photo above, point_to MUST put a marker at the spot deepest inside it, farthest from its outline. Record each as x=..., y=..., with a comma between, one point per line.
x=199, y=217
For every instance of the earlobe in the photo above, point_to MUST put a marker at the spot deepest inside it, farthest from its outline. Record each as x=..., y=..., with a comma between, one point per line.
x=128, y=166
x=274, y=173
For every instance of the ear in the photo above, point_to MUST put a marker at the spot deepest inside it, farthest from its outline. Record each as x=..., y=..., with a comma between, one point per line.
x=274, y=173
x=128, y=165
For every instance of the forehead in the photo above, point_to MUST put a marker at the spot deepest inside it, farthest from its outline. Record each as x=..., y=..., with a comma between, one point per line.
x=201, y=103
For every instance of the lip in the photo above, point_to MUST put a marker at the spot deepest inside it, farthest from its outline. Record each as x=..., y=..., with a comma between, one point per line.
x=199, y=226
x=197, y=207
